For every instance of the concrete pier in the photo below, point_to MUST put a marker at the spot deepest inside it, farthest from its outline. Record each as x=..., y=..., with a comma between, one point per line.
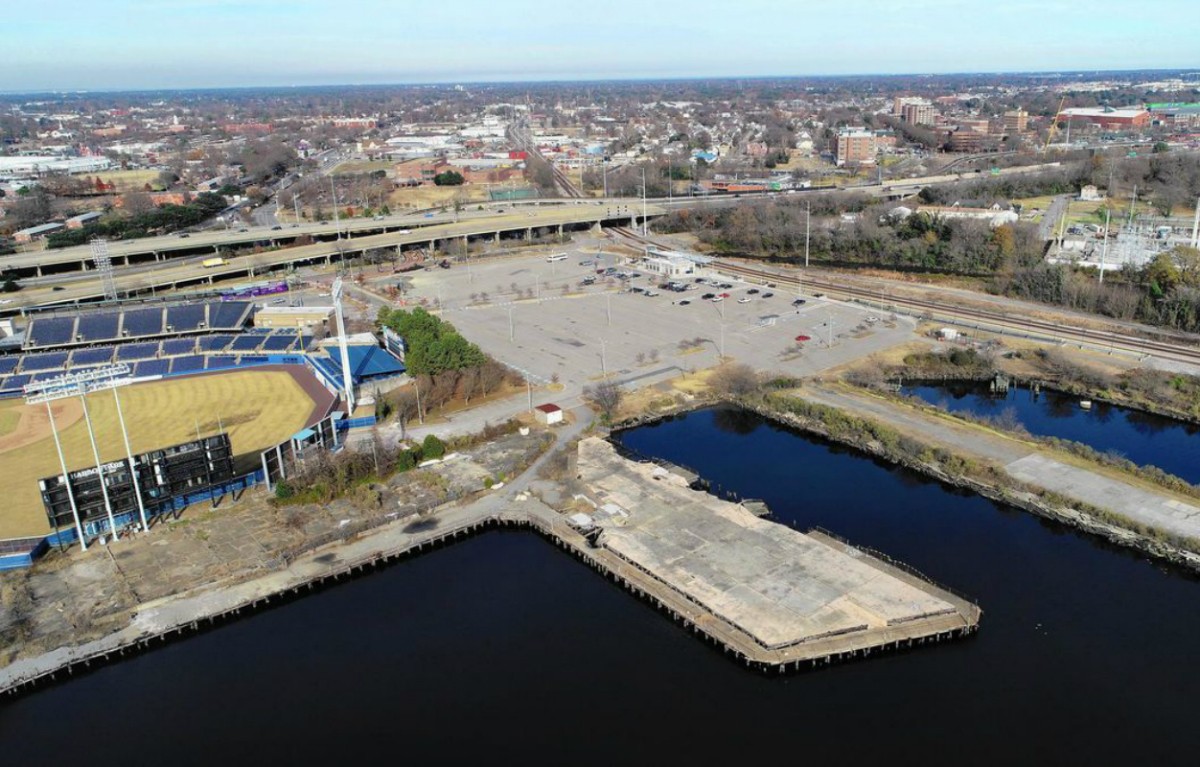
x=776, y=596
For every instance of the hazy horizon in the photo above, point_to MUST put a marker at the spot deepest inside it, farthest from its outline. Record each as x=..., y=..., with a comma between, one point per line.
x=66, y=45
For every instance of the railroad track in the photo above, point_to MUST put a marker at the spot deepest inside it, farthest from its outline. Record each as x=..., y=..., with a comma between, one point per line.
x=1179, y=349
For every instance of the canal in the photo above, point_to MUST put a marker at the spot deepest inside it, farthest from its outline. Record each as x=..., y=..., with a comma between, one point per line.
x=503, y=650
x=1144, y=438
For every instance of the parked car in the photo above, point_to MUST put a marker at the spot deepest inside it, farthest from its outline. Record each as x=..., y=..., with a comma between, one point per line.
x=718, y=298
x=744, y=300
x=684, y=302
x=799, y=302
x=802, y=339
x=767, y=295
x=752, y=291
x=709, y=296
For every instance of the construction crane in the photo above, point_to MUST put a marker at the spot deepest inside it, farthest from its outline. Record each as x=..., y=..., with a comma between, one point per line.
x=1054, y=125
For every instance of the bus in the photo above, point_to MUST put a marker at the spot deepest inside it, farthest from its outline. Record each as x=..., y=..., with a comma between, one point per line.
x=209, y=263
x=556, y=257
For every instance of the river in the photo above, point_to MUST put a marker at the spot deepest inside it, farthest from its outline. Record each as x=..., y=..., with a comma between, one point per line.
x=1144, y=438
x=502, y=650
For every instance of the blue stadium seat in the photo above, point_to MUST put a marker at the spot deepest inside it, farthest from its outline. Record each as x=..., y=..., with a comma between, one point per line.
x=14, y=383
x=50, y=331
x=45, y=361
x=280, y=342
x=186, y=317
x=228, y=315
x=142, y=322
x=173, y=347
x=215, y=343
x=143, y=351
x=218, y=361
x=247, y=343
x=8, y=364
x=261, y=331
x=152, y=368
x=99, y=355
x=187, y=364
x=98, y=327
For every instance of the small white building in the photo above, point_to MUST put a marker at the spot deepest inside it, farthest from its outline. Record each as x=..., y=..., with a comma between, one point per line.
x=548, y=414
x=1089, y=193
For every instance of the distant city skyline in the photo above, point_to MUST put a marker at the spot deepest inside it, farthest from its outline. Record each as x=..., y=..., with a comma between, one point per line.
x=142, y=44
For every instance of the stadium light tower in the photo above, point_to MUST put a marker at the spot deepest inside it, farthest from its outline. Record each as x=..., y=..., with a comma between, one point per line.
x=347, y=379
x=78, y=385
x=104, y=266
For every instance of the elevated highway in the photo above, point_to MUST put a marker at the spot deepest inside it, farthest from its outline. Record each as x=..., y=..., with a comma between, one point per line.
x=518, y=224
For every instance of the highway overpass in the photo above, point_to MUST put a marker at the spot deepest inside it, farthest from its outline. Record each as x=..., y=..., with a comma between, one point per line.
x=517, y=224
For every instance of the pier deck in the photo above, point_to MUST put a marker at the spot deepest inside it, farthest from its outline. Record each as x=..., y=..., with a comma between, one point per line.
x=781, y=595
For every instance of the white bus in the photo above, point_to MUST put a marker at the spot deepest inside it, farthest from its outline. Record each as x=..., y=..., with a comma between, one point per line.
x=556, y=257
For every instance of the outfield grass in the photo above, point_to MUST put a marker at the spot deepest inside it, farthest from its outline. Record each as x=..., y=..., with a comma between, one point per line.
x=257, y=408
x=9, y=416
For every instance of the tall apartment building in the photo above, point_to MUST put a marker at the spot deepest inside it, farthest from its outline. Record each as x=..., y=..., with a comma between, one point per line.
x=854, y=146
x=918, y=112
x=1016, y=121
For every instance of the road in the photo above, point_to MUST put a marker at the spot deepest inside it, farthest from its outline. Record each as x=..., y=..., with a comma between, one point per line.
x=1050, y=219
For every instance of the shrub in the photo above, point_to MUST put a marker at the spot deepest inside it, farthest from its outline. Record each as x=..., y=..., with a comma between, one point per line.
x=432, y=447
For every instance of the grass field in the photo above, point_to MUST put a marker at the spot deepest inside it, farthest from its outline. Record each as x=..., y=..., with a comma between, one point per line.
x=8, y=421
x=130, y=180
x=356, y=167
x=257, y=408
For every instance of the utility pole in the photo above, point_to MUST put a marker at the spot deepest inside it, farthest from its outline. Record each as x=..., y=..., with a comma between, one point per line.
x=608, y=307
x=511, y=334
x=603, y=359
x=645, y=231
x=807, y=227
x=296, y=205
x=1104, y=248
x=337, y=222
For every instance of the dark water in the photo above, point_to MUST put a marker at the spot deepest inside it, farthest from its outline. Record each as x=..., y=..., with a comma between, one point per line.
x=1143, y=438
x=502, y=650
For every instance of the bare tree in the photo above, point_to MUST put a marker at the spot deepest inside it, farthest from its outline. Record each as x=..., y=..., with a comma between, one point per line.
x=735, y=380
x=606, y=397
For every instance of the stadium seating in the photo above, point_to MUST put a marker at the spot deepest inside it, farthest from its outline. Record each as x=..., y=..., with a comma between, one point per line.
x=100, y=355
x=50, y=331
x=216, y=361
x=186, y=317
x=14, y=383
x=8, y=364
x=142, y=322
x=279, y=342
x=143, y=351
x=98, y=327
x=215, y=343
x=228, y=315
x=246, y=343
x=45, y=361
x=190, y=364
x=152, y=368
x=173, y=347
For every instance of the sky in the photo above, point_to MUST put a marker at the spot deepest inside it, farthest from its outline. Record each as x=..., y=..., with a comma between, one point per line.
x=147, y=44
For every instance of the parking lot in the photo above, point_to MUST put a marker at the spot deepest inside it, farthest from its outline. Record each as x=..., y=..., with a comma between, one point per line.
x=535, y=316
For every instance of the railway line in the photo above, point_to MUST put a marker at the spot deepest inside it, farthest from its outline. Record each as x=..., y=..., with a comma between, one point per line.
x=1174, y=347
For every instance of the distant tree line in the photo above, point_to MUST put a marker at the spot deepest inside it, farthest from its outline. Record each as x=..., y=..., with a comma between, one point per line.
x=164, y=218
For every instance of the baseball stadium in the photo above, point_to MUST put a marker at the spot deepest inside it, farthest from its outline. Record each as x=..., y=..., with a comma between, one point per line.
x=173, y=378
